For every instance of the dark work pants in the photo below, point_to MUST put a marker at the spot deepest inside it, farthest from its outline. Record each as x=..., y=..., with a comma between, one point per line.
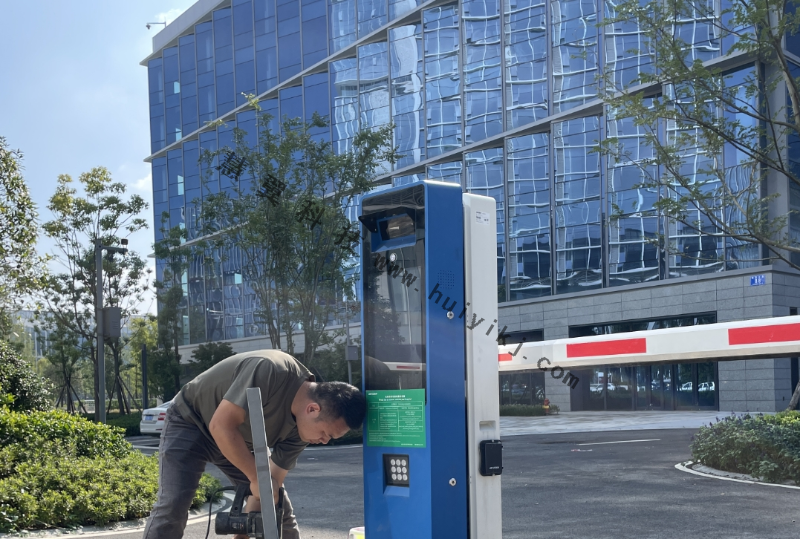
x=183, y=454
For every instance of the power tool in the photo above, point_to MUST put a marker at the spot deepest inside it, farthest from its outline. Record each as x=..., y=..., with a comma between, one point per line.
x=251, y=524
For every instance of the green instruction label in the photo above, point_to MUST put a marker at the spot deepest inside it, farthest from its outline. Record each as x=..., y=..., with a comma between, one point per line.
x=396, y=418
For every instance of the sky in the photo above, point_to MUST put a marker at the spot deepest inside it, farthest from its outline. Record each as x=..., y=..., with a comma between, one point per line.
x=73, y=95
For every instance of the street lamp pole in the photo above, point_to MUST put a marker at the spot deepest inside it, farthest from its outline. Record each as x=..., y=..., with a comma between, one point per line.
x=100, y=405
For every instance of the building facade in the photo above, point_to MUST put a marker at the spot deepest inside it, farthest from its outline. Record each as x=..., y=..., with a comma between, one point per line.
x=499, y=96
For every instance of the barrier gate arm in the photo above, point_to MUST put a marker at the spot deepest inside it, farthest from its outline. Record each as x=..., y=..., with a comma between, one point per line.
x=748, y=339
x=261, y=453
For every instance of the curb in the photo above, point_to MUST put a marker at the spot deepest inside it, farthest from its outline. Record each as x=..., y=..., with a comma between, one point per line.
x=686, y=467
x=123, y=526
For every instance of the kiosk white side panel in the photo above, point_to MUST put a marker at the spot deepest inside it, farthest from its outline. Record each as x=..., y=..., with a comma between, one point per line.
x=483, y=399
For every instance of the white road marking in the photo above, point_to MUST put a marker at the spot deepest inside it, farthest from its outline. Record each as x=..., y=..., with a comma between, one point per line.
x=624, y=442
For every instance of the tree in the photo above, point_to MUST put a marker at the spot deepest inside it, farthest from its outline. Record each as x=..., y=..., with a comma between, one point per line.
x=286, y=216
x=65, y=353
x=144, y=333
x=171, y=303
x=21, y=388
x=22, y=270
x=206, y=356
x=106, y=214
x=704, y=141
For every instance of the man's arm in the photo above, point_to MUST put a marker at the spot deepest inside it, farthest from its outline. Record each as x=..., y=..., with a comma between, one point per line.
x=224, y=428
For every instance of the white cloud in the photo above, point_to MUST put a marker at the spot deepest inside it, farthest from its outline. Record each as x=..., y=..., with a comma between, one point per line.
x=168, y=16
x=143, y=184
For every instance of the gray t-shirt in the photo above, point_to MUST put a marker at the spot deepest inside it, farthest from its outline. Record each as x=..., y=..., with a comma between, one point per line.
x=277, y=374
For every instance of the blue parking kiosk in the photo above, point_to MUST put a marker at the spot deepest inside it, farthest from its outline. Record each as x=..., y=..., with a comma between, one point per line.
x=432, y=458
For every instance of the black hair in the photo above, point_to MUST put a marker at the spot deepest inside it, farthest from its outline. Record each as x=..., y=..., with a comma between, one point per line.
x=339, y=400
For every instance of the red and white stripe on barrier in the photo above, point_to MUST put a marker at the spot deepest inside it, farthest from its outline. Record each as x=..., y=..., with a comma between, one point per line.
x=751, y=339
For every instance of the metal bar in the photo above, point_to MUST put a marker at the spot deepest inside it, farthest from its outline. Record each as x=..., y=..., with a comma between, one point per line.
x=100, y=405
x=261, y=453
x=145, y=396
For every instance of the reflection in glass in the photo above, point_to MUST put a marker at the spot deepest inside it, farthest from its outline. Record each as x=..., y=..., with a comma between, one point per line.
x=620, y=389
x=155, y=76
x=244, y=55
x=188, y=84
x=442, y=79
x=446, y=172
x=343, y=23
x=344, y=103
x=526, y=61
x=483, y=100
x=642, y=381
x=574, y=52
x=315, y=31
x=289, y=57
x=371, y=15
x=529, y=216
x=706, y=384
x=223, y=60
x=405, y=180
x=266, y=45
x=577, y=219
x=400, y=7
x=405, y=49
x=206, y=101
x=172, y=94
x=684, y=388
x=621, y=40
x=597, y=389
x=485, y=177
x=373, y=89
x=316, y=100
x=634, y=225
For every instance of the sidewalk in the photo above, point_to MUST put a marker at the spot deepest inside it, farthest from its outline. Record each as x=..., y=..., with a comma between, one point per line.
x=607, y=421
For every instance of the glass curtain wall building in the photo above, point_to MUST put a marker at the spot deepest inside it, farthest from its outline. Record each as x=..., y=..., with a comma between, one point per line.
x=499, y=96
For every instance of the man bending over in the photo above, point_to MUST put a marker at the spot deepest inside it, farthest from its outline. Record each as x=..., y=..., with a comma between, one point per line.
x=209, y=422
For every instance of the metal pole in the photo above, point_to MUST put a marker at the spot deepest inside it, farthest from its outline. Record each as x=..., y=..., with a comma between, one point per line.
x=100, y=406
x=145, y=397
x=347, y=342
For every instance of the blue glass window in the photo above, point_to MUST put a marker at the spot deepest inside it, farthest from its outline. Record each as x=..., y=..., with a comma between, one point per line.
x=401, y=7
x=223, y=58
x=175, y=183
x=226, y=138
x=406, y=54
x=172, y=94
x=246, y=123
x=531, y=247
x=315, y=95
x=196, y=299
x=266, y=45
x=289, y=57
x=483, y=98
x=445, y=172
x=371, y=16
x=206, y=102
x=215, y=310
x=160, y=194
x=574, y=52
x=411, y=178
x=315, y=31
x=699, y=29
x=291, y=103
x=155, y=76
x=485, y=177
x=443, y=81
x=343, y=23
x=344, y=103
x=634, y=227
x=695, y=244
x=243, y=45
x=269, y=107
x=373, y=84
x=209, y=174
x=578, y=213
x=188, y=84
x=621, y=40
x=526, y=62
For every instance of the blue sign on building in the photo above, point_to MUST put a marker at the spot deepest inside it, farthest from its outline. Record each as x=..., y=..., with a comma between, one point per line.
x=758, y=280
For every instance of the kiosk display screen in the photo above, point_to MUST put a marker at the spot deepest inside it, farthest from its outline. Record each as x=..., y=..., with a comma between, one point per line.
x=394, y=274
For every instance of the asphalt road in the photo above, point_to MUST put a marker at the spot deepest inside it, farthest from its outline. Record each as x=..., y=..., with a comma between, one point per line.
x=552, y=490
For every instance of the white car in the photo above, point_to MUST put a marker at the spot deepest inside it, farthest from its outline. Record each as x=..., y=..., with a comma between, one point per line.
x=153, y=419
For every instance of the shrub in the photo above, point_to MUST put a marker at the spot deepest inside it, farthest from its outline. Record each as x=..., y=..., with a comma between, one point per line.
x=521, y=409
x=61, y=470
x=766, y=447
x=28, y=390
x=128, y=422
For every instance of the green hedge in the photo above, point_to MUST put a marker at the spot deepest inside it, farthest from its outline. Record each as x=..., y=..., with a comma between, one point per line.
x=58, y=470
x=525, y=409
x=128, y=422
x=766, y=447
